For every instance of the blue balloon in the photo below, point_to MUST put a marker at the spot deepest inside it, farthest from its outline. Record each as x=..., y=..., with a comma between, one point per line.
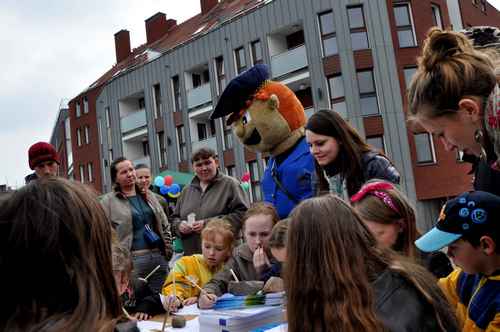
x=159, y=181
x=164, y=189
x=174, y=189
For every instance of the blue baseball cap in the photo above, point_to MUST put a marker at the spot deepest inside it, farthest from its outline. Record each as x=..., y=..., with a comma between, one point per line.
x=239, y=90
x=472, y=213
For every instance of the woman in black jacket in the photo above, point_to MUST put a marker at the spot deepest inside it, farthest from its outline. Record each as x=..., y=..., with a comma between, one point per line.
x=344, y=161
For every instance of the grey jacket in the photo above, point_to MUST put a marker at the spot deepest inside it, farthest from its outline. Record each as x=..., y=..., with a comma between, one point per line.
x=223, y=198
x=117, y=209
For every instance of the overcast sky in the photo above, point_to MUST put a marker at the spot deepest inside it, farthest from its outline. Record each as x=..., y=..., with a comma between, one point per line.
x=53, y=50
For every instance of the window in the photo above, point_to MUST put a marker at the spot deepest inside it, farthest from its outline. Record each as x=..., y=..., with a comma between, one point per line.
x=142, y=103
x=367, y=92
x=110, y=155
x=196, y=78
x=181, y=140
x=377, y=142
x=409, y=72
x=90, y=172
x=78, y=137
x=162, y=151
x=436, y=16
x=82, y=173
x=404, y=27
x=256, y=192
x=230, y=170
x=202, y=131
x=256, y=52
x=78, y=110
x=87, y=134
x=228, y=136
x=157, y=98
x=337, y=96
x=221, y=74
x=107, y=114
x=425, y=148
x=483, y=5
x=359, y=36
x=475, y=2
x=328, y=35
x=241, y=62
x=177, y=93
x=85, y=105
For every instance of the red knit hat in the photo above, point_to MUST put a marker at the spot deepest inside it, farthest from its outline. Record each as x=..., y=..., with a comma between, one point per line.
x=40, y=152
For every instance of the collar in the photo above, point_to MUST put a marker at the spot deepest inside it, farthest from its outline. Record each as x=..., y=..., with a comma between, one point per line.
x=290, y=141
x=244, y=252
x=195, y=182
x=301, y=148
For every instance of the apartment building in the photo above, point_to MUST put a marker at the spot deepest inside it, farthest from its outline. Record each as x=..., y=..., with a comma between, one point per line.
x=355, y=56
x=61, y=140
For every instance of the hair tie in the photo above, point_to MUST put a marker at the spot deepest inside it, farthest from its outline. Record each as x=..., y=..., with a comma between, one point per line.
x=374, y=189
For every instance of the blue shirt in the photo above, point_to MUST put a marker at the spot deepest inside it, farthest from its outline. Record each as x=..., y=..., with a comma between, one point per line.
x=142, y=214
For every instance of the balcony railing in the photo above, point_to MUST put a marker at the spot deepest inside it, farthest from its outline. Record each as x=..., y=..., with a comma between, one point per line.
x=289, y=61
x=133, y=121
x=199, y=96
x=206, y=143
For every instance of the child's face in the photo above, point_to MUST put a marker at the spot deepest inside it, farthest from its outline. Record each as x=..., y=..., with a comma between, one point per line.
x=465, y=256
x=258, y=231
x=386, y=234
x=279, y=254
x=215, y=250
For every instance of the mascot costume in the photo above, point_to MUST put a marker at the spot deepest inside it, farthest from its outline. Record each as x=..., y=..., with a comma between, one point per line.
x=266, y=116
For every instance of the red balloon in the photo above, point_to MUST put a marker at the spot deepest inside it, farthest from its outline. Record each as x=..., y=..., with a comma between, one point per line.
x=246, y=177
x=169, y=180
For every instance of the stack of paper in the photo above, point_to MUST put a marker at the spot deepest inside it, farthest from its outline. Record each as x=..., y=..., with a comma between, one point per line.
x=229, y=301
x=242, y=320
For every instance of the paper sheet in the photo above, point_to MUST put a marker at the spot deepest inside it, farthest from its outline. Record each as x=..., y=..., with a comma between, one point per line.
x=189, y=310
x=192, y=325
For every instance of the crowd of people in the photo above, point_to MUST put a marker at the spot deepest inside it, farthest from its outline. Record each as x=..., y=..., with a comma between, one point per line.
x=349, y=257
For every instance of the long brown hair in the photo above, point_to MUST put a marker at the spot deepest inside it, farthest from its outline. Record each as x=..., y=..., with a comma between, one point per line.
x=373, y=208
x=55, y=258
x=448, y=70
x=332, y=260
x=351, y=149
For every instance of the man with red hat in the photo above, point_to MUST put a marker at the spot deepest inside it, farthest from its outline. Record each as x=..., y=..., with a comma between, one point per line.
x=43, y=159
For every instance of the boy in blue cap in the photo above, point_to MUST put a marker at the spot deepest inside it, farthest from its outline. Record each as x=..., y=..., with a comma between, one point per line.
x=469, y=225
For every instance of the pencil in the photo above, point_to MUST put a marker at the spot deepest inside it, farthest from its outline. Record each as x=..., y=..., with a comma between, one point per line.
x=234, y=275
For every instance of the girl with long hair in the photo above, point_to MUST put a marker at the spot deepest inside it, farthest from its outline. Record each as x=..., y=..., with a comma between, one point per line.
x=338, y=279
x=344, y=161
x=390, y=217
x=55, y=258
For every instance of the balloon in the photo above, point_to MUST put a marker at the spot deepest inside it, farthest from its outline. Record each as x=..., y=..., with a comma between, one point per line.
x=159, y=181
x=246, y=177
x=174, y=189
x=169, y=180
x=164, y=190
x=245, y=186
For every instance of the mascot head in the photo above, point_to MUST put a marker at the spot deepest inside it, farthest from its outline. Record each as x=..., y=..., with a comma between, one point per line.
x=266, y=116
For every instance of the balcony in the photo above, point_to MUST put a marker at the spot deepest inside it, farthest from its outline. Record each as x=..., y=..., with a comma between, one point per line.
x=144, y=160
x=133, y=121
x=289, y=61
x=210, y=143
x=199, y=96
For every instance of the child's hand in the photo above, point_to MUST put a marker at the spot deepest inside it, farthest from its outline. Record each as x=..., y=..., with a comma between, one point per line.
x=190, y=300
x=174, y=304
x=184, y=227
x=198, y=226
x=207, y=301
x=260, y=260
x=142, y=316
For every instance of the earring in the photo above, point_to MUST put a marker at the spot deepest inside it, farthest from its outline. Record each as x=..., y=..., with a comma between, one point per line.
x=479, y=138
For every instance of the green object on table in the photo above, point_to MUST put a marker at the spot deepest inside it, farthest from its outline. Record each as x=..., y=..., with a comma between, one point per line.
x=178, y=245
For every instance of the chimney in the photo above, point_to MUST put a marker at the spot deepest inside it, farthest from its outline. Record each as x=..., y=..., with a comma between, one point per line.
x=171, y=23
x=207, y=5
x=122, y=45
x=156, y=27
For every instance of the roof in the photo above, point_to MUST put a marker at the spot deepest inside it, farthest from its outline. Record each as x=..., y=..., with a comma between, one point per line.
x=195, y=27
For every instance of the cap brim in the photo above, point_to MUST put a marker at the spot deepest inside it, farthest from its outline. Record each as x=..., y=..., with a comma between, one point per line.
x=436, y=239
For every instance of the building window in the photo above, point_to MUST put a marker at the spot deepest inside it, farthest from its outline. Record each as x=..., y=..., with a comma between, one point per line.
x=256, y=192
x=328, y=35
x=256, y=52
x=181, y=141
x=228, y=136
x=78, y=109
x=78, y=137
x=475, y=2
x=409, y=72
x=337, y=95
x=142, y=103
x=107, y=114
x=90, y=172
x=162, y=150
x=359, y=36
x=221, y=74
x=110, y=155
x=87, y=134
x=176, y=90
x=377, y=142
x=483, y=5
x=157, y=98
x=425, y=148
x=230, y=171
x=367, y=92
x=85, y=105
x=404, y=26
x=241, y=62
x=436, y=16
x=82, y=173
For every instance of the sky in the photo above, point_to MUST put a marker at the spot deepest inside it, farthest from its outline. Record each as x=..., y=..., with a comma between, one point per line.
x=54, y=49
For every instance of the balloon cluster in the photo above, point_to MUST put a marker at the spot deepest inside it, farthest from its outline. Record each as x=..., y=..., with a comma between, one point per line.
x=245, y=181
x=167, y=186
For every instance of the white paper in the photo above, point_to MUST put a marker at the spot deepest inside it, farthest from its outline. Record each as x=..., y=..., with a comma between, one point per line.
x=192, y=325
x=189, y=310
x=149, y=325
